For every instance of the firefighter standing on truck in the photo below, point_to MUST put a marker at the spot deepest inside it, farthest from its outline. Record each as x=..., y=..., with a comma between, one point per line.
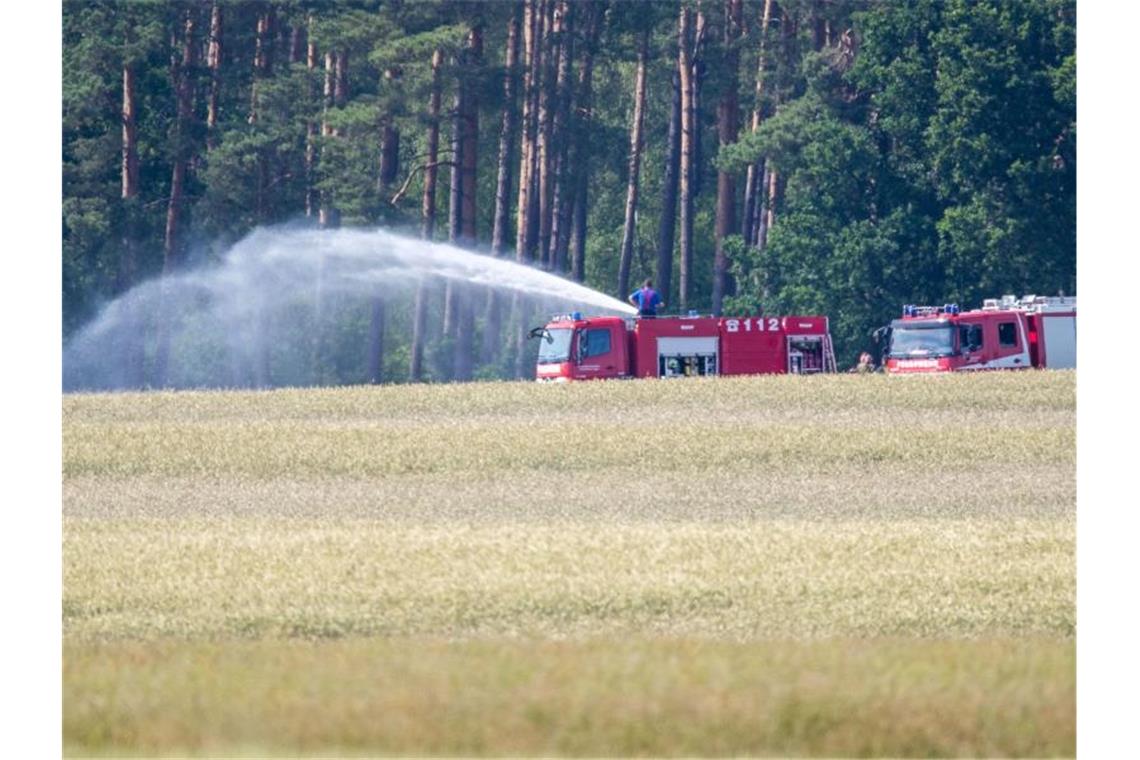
x=646, y=299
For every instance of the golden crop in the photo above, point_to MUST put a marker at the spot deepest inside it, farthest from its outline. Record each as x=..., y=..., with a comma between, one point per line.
x=640, y=540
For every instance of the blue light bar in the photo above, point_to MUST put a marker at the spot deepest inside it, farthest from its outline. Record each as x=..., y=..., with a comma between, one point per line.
x=575, y=315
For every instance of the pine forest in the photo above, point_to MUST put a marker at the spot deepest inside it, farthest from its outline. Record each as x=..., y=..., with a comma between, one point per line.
x=834, y=157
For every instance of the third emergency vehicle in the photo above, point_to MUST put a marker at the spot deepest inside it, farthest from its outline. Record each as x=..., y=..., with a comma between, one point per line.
x=1006, y=333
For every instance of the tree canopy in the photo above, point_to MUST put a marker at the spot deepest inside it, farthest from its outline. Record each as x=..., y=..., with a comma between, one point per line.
x=903, y=151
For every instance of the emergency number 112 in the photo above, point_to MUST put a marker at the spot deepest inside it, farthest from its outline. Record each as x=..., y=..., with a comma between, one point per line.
x=733, y=325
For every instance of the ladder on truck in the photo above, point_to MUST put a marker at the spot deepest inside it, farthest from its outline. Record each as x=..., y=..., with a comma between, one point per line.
x=829, y=364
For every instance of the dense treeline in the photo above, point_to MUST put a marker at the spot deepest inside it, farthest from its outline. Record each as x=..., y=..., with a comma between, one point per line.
x=829, y=156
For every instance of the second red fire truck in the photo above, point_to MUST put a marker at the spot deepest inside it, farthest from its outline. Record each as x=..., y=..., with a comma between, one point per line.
x=1006, y=333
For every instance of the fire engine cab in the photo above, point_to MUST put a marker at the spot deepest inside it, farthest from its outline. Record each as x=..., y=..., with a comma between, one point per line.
x=1006, y=333
x=573, y=347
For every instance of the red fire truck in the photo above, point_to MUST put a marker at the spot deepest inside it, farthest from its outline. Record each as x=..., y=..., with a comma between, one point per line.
x=1006, y=333
x=575, y=348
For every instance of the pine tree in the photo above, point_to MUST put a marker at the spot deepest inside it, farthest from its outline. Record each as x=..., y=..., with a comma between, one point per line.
x=524, y=248
x=595, y=15
x=214, y=63
x=635, y=144
x=563, y=95
x=727, y=116
x=754, y=181
x=667, y=228
x=182, y=72
x=468, y=160
x=427, y=228
x=492, y=329
x=688, y=168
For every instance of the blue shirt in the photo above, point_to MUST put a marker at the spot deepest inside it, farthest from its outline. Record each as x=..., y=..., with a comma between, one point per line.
x=647, y=300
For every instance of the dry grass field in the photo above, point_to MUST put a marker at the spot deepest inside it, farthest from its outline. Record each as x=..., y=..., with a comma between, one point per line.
x=825, y=566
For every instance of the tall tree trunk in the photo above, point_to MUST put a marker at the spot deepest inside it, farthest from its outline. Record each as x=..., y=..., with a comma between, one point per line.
x=492, y=329
x=261, y=375
x=527, y=212
x=181, y=73
x=551, y=36
x=130, y=180
x=465, y=327
x=774, y=185
x=700, y=32
x=297, y=38
x=214, y=63
x=262, y=71
x=666, y=233
x=389, y=139
x=769, y=218
x=376, y=341
x=184, y=87
x=262, y=66
x=635, y=141
x=310, y=124
x=455, y=194
x=455, y=200
x=470, y=117
x=752, y=186
x=431, y=168
x=524, y=310
x=560, y=210
x=335, y=88
x=389, y=167
x=506, y=138
x=389, y=153
x=578, y=229
x=727, y=116
x=132, y=359
x=685, y=71
x=419, y=331
x=580, y=165
x=427, y=229
x=819, y=30
x=340, y=87
x=527, y=131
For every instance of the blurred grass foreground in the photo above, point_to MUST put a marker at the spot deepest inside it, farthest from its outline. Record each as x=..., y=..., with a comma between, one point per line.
x=824, y=566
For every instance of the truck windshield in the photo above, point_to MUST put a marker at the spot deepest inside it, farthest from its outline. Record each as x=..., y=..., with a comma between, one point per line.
x=557, y=348
x=927, y=340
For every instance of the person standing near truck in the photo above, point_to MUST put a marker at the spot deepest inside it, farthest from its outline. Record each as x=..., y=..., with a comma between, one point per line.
x=865, y=366
x=646, y=299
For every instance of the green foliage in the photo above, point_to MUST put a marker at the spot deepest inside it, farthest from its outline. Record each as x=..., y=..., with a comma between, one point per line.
x=939, y=166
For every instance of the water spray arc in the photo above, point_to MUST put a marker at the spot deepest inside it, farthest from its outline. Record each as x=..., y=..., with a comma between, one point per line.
x=254, y=318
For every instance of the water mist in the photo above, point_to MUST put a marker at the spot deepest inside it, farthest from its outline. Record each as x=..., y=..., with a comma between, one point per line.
x=290, y=307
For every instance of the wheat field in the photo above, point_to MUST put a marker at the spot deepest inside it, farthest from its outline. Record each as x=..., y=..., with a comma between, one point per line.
x=809, y=566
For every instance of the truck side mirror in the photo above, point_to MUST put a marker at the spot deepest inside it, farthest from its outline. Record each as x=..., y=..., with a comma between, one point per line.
x=582, y=354
x=541, y=332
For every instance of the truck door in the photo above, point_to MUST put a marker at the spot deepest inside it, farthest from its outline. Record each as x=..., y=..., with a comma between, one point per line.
x=1011, y=347
x=599, y=353
x=971, y=343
